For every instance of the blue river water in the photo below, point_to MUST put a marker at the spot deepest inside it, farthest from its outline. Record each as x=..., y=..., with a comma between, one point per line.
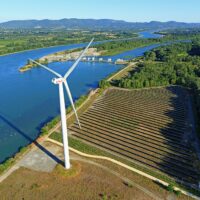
x=147, y=34
x=28, y=100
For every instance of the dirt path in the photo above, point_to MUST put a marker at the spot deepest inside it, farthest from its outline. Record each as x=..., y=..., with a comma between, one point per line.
x=38, y=160
x=126, y=167
x=124, y=179
x=121, y=71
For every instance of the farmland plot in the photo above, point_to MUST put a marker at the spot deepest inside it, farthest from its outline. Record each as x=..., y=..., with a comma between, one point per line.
x=147, y=126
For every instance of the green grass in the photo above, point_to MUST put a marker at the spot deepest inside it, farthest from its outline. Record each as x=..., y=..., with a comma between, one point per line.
x=48, y=126
x=5, y=165
x=170, y=188
x=73, y=171
x=11, y=161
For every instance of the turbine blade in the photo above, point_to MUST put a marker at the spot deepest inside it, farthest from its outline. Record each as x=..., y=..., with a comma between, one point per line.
x=71, y=101
x=45, y=67
x=78, y=59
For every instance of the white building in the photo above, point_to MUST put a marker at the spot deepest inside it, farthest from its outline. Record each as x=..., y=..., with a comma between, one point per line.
x=119, y=60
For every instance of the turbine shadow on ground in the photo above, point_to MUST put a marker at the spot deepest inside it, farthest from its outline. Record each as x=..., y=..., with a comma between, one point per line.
x=182, y=135
x=30, y=140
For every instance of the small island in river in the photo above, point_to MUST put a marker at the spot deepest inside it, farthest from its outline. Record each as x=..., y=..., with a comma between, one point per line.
x=70, y=55
x=60, y=57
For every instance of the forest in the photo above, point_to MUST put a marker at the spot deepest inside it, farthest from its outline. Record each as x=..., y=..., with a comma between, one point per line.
x=116, y=47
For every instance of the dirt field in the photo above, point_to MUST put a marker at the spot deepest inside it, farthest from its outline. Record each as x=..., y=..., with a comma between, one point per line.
x=87, y=179
x=91, y=183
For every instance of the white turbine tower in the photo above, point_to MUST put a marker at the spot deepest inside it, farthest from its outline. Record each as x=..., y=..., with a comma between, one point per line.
x=60, y=81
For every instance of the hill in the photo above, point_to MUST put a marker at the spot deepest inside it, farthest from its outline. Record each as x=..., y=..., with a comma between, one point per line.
x=97, y=24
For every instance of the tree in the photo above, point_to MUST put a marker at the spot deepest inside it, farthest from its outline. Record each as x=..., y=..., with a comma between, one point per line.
x=104, y=84
x=150, y=56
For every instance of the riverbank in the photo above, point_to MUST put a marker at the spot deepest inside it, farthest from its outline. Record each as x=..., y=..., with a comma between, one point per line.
x=36, y=49
x=69, y=54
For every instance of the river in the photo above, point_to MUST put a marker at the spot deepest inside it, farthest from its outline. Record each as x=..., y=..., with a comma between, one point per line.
x=28, y=100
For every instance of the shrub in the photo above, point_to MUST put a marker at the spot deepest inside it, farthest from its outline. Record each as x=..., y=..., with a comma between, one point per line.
x=128, y=184
x=34, y=185
x=104, y=84
x=4, y=166
x=170, y=188
x=177, y=192
x=105, y=196
x=22, y=149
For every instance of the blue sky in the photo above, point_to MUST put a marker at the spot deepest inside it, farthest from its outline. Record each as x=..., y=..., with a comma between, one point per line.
x=129, y=10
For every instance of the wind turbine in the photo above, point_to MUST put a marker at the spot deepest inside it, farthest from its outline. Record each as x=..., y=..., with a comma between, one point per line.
x=60, y=80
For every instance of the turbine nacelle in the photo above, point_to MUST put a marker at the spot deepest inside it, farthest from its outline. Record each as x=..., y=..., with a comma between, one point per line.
x=57, y=81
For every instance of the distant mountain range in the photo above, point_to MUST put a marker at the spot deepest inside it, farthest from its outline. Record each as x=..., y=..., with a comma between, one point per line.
x=94, y=24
